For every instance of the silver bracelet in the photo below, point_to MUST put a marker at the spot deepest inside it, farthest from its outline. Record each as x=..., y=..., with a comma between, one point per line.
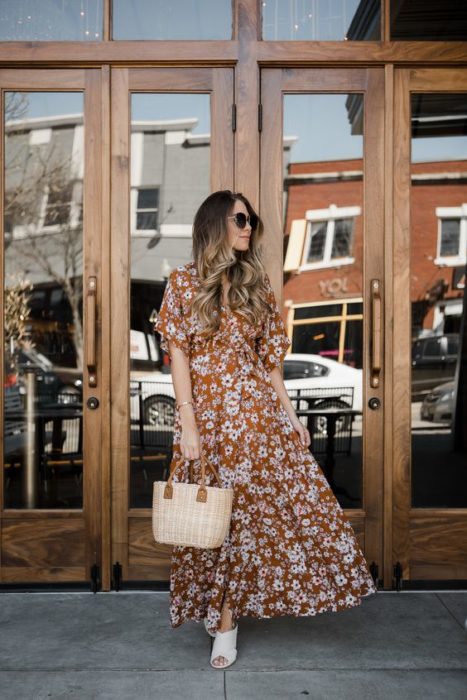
x=182, y=404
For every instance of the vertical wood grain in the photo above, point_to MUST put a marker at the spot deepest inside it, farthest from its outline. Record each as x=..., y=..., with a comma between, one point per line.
x=373, y=268
x=92, y=224
x=105, y=465
x=388, y=327
x=120, y=311
x=401, y=394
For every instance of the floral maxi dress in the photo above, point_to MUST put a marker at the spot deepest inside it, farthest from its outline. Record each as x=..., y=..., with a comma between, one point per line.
x=290, y=549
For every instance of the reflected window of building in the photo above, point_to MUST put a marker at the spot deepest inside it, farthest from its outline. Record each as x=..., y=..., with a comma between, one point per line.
x=428, y=21
x=452, y=235
x=146, y=209
x=328, y=242
x=51, y=20
x=321, y=20
x=171, y=19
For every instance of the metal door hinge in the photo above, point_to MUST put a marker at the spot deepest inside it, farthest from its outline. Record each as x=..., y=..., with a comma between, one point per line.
x=116, y=576
x=234, y=117
x=397, y=573
x=260, y=117
x=95, y=578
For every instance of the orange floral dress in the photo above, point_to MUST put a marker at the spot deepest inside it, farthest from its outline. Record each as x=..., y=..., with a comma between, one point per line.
x=290, y=549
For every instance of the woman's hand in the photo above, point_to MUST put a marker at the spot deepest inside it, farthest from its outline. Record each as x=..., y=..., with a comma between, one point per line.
x=302, y=432
x=190, y=441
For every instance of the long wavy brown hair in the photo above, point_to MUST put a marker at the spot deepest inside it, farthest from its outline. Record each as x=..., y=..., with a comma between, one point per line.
x=217, y=261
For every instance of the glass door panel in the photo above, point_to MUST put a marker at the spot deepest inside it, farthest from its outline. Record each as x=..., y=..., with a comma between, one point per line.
x=173, y=146
x=430, y=485
x=50, y=486
x=325, y=218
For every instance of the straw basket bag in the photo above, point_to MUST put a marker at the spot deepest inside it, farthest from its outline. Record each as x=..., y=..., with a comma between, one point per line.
x=191, y=515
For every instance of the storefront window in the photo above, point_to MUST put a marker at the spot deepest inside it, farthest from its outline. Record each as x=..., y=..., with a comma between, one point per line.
x=321, y=20
x=174, y=19
x=51, y=20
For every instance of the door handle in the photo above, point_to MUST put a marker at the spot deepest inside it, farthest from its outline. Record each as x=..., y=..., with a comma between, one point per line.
x=91, y=331
x=376, y=333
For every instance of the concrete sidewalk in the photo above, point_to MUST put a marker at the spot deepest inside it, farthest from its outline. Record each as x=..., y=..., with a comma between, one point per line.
x=113, y=646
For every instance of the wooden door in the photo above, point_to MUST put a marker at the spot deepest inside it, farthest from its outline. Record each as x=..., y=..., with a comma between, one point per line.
x=172, y=143
x=53, y=166
x=322, y=202
x=429, y=516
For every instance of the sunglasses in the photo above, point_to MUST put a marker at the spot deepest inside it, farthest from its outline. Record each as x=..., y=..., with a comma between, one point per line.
x=242, y=219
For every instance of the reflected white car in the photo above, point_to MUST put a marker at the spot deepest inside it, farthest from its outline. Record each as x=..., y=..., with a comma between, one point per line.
x=438, y=405
x=332, y=382
x=328, y=382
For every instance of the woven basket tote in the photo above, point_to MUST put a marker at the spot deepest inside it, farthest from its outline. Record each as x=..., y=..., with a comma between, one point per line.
x=191, y=515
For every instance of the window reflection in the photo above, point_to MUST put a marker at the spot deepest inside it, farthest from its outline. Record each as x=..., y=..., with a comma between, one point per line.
x=51, y=20
x=170, y=177
x=323, y=284
x=440, y=21
x=321, y=20
x=438, y=261
x=174, y=19
x=44, y=145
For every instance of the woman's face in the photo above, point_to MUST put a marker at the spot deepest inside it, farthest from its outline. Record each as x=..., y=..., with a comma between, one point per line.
x=239, y=238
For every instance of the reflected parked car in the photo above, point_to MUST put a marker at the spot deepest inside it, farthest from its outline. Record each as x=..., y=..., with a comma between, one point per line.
x=307, y=372
x=434, y=361
x=438, y=405
x=53, y=383
x=328, y=382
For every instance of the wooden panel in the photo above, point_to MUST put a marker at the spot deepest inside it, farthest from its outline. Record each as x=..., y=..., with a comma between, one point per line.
x=169, y=80
x=147, y=560
x=401, y=393
x=105, y=465
x=188, y=53
x=120, y=300
x=41, y=79
x=222, y=53
x=92, y=224
x=388, y=328
x=43, y=550
x=247, y=98
x=438, y=79
x=271, y=169
x=373, y=268
x=357, y=520
x=222, y=137
x=320, y=80
x=438, y=544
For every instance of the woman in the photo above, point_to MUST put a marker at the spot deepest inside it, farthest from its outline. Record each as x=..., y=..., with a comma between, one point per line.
x=290, y=549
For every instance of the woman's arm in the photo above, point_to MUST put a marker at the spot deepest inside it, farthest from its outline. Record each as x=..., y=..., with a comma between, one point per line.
x=190, y=439
x=279, y=387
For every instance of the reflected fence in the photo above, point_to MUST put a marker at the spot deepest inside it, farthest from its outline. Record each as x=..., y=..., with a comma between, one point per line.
x=43, y=439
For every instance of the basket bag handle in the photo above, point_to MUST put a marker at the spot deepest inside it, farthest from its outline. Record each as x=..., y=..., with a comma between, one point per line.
x=202, y=491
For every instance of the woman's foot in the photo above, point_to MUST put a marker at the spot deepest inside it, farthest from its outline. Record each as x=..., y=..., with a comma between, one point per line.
x=224, y=649
x=226, y=625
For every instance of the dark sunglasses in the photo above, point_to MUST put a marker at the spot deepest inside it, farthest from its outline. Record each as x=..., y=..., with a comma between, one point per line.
x=241, y=220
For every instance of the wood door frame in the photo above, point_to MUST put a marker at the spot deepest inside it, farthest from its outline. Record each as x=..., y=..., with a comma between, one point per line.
x=417, y=533
x=368, y=520
x=219, y=83
x=80, y=530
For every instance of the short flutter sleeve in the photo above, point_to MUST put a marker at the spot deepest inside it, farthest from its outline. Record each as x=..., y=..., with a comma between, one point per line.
x=171, y=323
x=272, y=344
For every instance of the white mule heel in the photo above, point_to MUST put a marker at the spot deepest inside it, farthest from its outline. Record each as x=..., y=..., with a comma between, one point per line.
x=212, y=634
x=225, y=644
